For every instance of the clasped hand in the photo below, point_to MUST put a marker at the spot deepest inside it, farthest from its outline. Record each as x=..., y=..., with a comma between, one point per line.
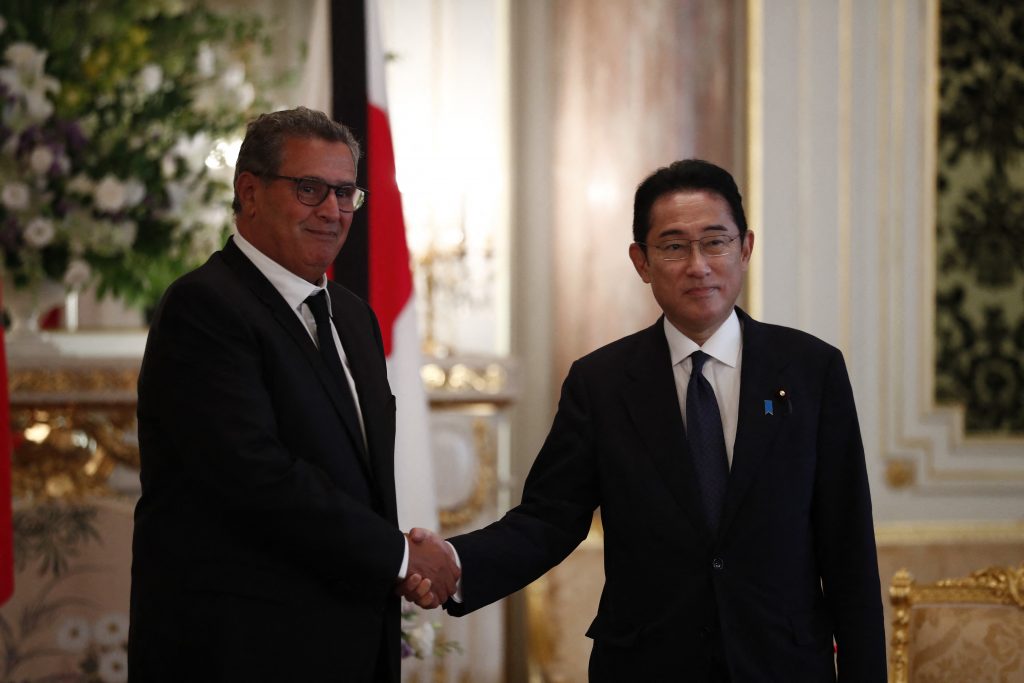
x=432, y=575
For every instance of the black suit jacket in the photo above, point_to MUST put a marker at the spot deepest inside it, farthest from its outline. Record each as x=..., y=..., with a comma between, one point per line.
x=266, y=542
x=794, y=563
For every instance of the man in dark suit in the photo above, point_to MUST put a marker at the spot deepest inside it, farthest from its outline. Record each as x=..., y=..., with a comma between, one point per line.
x=266, y=542
x=737, y=519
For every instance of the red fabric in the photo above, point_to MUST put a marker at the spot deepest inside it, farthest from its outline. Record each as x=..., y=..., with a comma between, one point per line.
x=6, y=530
x=390, y=283
x=52, y=318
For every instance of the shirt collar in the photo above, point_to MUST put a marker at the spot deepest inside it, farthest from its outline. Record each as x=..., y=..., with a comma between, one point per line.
x=292, y=288
x=724, y=345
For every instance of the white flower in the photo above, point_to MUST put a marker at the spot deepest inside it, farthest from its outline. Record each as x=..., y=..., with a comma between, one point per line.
x=150, y=78
x=26, y=74
x=15, y=195
x=421, y=639
x=193, y=150
x=244, y=96
x=134, y=192
x=81, y=184
x=233, y=76
x=75, y=277
x=168, y=165
x=37, y=107
x=205, y=61
x=113, y=666
x=41, y=160
x=73, y=634
x=39, y=232
x=123, y=235
x=110, y=194
x=110, y=629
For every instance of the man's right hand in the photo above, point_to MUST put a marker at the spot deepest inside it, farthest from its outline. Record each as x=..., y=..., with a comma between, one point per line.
x=432, y=559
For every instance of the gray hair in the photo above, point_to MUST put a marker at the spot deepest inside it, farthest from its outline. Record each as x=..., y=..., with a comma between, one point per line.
x=260, y=153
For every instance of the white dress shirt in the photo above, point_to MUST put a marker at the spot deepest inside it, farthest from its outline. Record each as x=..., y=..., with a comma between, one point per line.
x=722, y=370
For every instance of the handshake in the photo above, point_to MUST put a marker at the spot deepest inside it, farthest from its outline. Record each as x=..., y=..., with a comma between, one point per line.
x=433, y=572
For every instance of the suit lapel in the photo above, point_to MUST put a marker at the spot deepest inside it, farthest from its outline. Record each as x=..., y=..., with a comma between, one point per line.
x=288, y=320
x=653, y=406
x=364, y=361
x=760, y=378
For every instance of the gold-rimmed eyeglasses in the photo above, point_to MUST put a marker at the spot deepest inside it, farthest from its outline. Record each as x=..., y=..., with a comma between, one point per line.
x=313, y=192
x=680, y=250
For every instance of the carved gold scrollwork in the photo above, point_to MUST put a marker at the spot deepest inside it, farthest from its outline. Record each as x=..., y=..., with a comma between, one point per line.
x=991, y=586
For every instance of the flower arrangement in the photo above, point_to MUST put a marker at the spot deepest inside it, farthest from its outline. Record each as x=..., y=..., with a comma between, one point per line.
x=116, y=125
x=421, y=639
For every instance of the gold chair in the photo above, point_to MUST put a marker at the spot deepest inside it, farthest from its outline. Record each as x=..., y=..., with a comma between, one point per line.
x=969, y=629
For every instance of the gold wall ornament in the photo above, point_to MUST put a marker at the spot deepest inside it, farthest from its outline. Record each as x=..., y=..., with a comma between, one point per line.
x=70, y=451
x=900, y=473
x=468, y=379
x=73, y=422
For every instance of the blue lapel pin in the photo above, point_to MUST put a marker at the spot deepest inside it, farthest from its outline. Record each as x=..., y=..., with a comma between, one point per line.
x=768, y=408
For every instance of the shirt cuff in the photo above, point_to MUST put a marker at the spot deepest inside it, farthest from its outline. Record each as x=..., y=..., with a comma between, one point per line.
x=404, y=569
x=457, y=596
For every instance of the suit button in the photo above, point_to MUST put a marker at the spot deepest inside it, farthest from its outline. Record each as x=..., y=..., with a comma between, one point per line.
x=717, y=563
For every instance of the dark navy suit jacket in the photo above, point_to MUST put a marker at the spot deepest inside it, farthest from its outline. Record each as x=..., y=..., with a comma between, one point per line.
x=794, y=564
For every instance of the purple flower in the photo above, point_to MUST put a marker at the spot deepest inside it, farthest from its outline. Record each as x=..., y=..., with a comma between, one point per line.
x=407, y=650
x=10, y=234
x=74, y=135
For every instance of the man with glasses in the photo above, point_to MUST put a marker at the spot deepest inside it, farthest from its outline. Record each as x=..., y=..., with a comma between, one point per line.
x=726, y=459
x=266, y=542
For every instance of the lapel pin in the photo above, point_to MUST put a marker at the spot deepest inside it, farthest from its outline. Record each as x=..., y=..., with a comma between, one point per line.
x=768, y=408
x=784, y=405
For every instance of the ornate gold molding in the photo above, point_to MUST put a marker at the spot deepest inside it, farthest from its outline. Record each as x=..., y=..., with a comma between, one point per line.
x=66, y=380
x=991, y=586
x=485, y=449
x=73, y=422
x=469, y=380
x=70, y=451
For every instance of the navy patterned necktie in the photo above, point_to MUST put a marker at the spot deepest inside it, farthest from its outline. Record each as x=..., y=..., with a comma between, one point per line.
x=707, y=441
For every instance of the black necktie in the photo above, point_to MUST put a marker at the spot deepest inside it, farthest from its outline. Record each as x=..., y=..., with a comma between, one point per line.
x=329, y=352
x=707, y=441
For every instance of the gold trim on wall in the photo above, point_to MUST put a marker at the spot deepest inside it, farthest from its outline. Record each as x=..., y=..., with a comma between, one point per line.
x=952, y=533
x=486, y=451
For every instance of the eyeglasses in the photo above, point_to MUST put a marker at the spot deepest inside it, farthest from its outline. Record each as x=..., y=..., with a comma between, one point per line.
x=313, y=192
x=680, y=250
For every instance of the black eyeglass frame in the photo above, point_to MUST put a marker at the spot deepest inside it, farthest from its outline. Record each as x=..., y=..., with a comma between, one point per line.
x=358, y=196
x=687, y=245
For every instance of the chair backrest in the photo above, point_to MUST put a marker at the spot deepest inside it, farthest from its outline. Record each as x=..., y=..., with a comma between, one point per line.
x=968, y=629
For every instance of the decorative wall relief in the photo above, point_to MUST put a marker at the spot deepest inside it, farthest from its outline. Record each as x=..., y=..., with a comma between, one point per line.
x=980, y=215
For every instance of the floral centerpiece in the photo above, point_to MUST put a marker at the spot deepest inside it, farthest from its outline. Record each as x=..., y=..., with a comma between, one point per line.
x=116, y=125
